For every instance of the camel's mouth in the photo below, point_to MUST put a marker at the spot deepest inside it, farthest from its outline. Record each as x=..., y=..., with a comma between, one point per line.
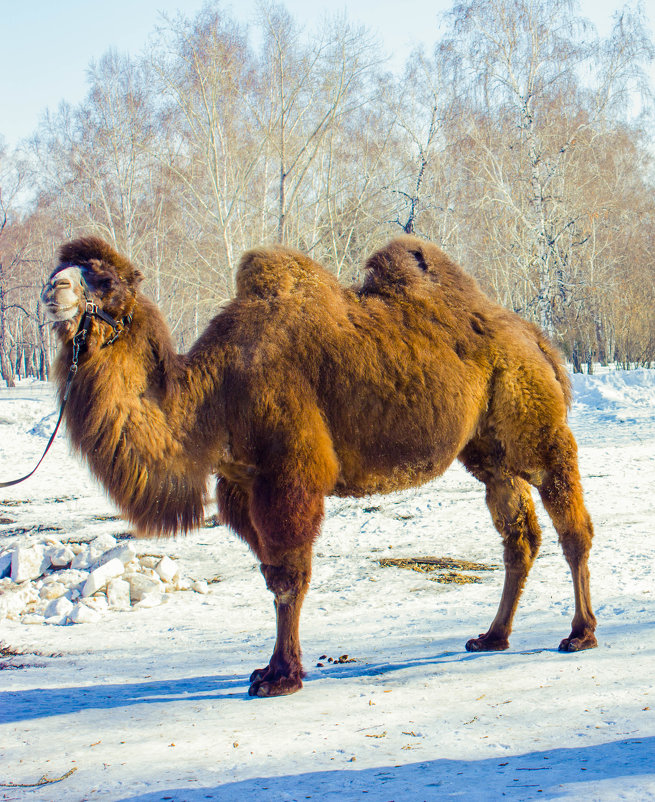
x=58, y=313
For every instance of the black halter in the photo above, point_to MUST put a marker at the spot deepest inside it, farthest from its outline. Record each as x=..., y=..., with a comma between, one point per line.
x=91, y=310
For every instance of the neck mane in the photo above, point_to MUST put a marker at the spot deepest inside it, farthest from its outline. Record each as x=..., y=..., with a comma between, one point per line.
x=132, y=412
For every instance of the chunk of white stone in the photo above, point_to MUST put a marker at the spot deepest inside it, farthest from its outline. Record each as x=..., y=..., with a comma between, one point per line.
x=31, y=618
x=69, y=577
x=83, y=614
x=58, y=608
x=118, y=594
x=103, y=542
x=151, y=574
x=200, y=586
x=148, y=561
x=52, y=590
x=98, y=602
x=141, y=585
x=28, y=562
x=151, y=599
x=124, y=552
x=167, y=569
x=97, y=548
x=13, y=602
x=5, y=564
x=60, y=556
x=182, y=582
x=99, y=578
x=82, y=559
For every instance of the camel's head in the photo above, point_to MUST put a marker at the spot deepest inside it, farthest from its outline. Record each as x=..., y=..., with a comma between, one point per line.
x=89, y=270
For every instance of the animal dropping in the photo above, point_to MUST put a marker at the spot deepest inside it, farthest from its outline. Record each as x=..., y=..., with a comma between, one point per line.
x=301, y=388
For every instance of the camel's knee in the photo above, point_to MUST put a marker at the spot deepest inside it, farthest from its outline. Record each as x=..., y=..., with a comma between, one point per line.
x=561, y=493
x=289, y=580
x=512, y=511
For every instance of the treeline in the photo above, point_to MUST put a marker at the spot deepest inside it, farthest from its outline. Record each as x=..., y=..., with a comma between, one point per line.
x=519, y=143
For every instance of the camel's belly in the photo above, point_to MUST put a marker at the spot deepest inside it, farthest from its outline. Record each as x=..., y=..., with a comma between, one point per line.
x=357, y=479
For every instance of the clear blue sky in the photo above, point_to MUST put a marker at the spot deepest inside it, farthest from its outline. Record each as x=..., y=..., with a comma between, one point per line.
x=46, y=45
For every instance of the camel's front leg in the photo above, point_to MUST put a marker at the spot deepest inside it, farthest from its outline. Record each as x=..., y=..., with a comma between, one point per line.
x=288, y=580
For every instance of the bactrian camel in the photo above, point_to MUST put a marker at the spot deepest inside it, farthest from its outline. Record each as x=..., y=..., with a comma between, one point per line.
x=300, y=389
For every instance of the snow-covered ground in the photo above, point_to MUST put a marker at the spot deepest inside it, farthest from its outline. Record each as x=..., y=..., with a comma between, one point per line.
x=151, y=703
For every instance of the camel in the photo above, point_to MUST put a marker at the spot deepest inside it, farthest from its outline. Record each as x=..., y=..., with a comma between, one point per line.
x=301, y=388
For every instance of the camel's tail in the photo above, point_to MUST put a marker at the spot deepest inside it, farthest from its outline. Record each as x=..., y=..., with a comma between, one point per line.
x=555, y=361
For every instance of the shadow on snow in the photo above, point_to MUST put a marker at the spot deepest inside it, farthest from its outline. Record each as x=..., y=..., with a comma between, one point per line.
x=572, y=773
x=34, y=703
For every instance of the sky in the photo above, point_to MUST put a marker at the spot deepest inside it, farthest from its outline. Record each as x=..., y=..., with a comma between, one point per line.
x=46, y=45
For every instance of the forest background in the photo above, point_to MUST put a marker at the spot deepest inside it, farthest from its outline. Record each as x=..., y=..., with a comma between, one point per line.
x=520, y=143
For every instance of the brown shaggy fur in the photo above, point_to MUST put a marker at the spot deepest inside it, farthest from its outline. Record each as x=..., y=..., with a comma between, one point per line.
x=301, y=388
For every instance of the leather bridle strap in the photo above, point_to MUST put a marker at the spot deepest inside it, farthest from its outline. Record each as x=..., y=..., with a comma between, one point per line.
x=78, y=341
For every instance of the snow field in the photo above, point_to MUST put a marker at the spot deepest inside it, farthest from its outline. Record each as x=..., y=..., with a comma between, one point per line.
x=151, y=703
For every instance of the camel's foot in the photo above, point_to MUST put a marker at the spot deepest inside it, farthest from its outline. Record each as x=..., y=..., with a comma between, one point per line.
x=576, y=643
x=271, y=682
x=487, y=643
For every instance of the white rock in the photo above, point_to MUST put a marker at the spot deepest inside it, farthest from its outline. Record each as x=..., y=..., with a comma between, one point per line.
x=52, y=590
x=182, y=582
x=59, y=608
x=124, y=552
x=70, y=577
x=118, y=594
x=151, y=574
x=99, y=578
x=98, y=602
x=13, y=601
x=16, y=601
x=141, y=585
x=31, y=618
x=200, y=586
x=5, y=564
x=167, y=569
x=151, y=599
x=82, y=559
x=83, y=614
x=148, y=561
x=28, y=562
x=57, y=621
x=102, y=543
x=60, y=556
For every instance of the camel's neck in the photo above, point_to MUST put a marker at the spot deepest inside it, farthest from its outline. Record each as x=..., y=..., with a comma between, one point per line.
x=133, y=412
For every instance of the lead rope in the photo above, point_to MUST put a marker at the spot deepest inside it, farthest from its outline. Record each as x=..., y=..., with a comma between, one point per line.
x=78, y=341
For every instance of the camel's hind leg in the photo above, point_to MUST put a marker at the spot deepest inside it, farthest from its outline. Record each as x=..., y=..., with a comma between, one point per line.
x=561, y=493
x=512, y=510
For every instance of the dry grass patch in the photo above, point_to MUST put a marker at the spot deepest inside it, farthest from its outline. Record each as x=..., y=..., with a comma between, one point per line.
x=445, y=570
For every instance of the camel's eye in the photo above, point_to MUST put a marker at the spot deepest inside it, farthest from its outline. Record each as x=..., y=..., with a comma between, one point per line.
x=62, y=282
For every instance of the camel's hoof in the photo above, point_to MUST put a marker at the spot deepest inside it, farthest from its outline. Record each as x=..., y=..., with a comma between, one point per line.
x=258, y=674
x=483, y=643
x=279, y=687
x=572, y=644
x=269, y=682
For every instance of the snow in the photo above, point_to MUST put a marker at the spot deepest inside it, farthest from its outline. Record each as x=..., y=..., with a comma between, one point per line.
x=150, y=703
